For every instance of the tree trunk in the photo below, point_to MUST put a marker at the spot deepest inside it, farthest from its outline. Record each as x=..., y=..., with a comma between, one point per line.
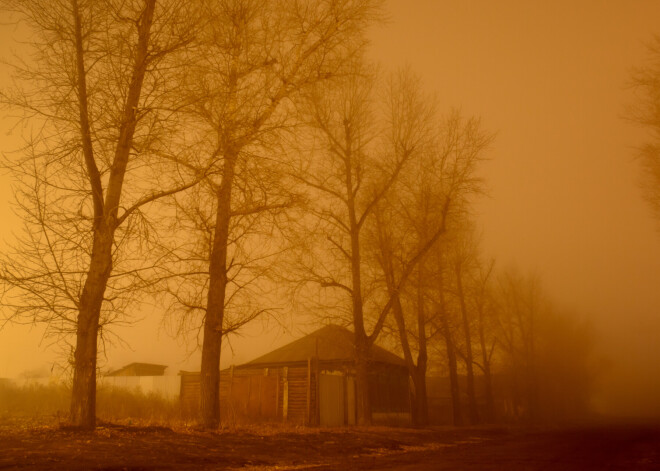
x=362, y=378
x=453, y=376
x=422, y=356
x=488, y=379
x=362, y=342
x=534, y=405
x=451, y=358
x=490, y=400
x=420, y=411
x=215, y=306
x=83, y=395
x=469, y=360
x=532, y=397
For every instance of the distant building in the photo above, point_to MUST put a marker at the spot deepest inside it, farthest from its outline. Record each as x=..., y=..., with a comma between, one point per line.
x=284, y=384
x=146, y=378
x=139, y=369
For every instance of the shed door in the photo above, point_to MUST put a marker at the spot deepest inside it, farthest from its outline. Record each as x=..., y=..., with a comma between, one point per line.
x=331, y=400
x=254, y=397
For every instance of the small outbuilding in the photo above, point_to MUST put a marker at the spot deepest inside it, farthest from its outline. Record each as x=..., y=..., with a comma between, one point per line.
x=139, y=369
x=309, y=381
x=148, y=378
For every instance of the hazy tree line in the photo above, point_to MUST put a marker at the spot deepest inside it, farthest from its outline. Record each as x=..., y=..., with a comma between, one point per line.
x=645, y=82
x=208, y=154
x=522, y=357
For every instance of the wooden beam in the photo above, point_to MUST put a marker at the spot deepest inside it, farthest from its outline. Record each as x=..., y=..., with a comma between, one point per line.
x=308, y=413
x=285, y=394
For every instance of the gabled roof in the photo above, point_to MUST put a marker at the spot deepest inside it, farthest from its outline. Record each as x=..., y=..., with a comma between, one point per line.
x=331, y=342
x=140, y=369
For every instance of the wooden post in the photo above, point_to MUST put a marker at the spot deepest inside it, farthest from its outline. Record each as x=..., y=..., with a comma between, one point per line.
x=249, y=394
x=229, y=403
x=285, y=395
x=262, y=393
x=308, y=413
x=317, y=409
x=345, y=398
x=277, y=393
x=231, y=380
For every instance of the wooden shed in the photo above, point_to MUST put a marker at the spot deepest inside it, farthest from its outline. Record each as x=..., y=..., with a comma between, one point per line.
x=308, y=381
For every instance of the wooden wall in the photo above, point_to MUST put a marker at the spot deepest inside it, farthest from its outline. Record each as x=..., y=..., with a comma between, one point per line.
x=295, y=396
x=296, y=392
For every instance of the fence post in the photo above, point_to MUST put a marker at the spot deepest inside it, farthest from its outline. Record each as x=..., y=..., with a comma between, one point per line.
x=308, y=412
x=285, y=394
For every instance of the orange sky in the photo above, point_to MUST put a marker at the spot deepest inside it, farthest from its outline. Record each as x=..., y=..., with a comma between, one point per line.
x=549, y=77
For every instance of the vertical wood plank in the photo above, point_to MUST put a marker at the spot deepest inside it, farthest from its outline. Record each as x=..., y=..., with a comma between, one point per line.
x=308, y=415
x=285, y=394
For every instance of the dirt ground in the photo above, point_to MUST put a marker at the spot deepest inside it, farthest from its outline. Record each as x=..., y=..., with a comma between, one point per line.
x=114, y=447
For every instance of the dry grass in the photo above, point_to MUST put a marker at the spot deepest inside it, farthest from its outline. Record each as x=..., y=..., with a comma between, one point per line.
x=35, y=406
x=33, y=400
x=115, y=404
x=49, y=405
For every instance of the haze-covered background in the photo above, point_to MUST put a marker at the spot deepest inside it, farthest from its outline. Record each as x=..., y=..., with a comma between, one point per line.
x=550, y=78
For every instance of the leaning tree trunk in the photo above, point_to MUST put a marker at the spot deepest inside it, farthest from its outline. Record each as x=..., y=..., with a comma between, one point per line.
x=488, y=377
x=419, y=410
x=490, y=401
x=453, y=377
x=83, y=394
x=488, y=380
x=362, y=379
x=451, y=356
x=422, y=357
x=469, y=360
x=215, y=307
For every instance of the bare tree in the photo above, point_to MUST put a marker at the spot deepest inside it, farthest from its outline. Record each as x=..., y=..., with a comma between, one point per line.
x=262, y=201
x=522, y=303
x=486, y=329
x=347, y=178
x=98, y=100
x=436, y=187
x=546, y=352
x=411, y=204
x=645, y=81
x=255, y=58
x=359, y=171
x=463, y=257
x=444, y=321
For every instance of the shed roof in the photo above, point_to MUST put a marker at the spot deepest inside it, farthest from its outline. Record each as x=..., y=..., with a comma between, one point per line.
x=328, y=343
x=139, y=369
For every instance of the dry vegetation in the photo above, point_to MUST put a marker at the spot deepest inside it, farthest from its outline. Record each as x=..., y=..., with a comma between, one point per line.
x=48, y=405
x=138, y=431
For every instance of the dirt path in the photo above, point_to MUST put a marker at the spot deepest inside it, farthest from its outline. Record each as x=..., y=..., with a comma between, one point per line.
x=133, y=448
